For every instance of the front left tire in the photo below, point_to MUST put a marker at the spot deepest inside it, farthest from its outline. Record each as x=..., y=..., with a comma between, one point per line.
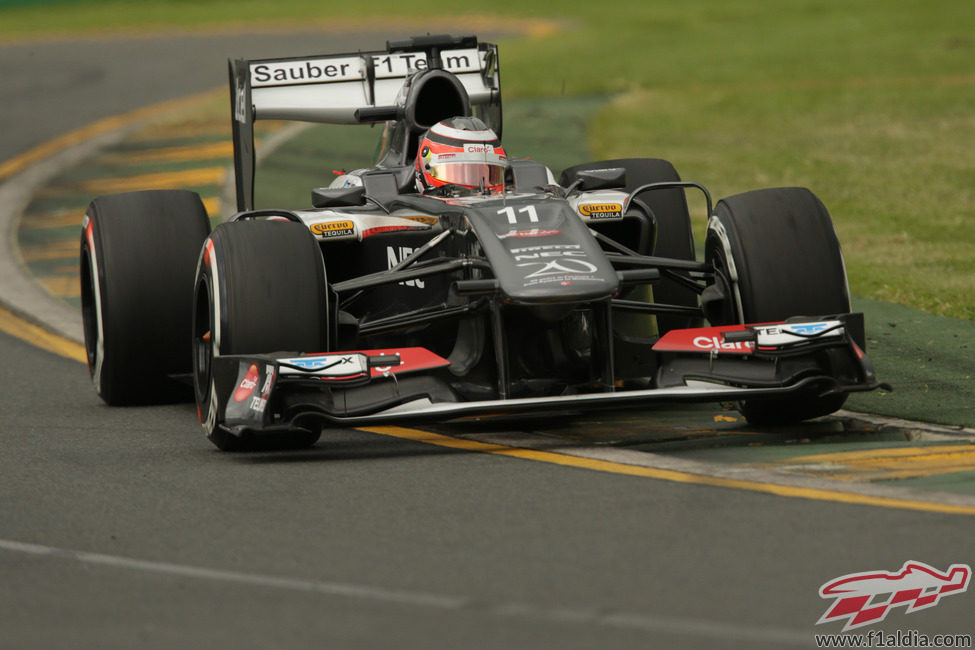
x=260, y=288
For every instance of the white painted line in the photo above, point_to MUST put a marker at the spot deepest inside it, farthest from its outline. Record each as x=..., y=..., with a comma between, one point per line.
x=622, y=620
x=252, y=579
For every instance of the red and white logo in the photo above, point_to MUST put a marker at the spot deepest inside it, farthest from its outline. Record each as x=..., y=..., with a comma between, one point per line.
x=704, y=339
x=866, y=598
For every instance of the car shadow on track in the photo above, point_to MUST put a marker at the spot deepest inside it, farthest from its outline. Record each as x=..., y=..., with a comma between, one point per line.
x=342, y=445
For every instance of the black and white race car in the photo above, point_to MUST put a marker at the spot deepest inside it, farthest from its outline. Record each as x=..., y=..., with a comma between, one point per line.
x=449, y=281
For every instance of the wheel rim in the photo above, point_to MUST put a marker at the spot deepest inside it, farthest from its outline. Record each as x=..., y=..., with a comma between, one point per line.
x=89, y=310
x=202, y=346
x=719, y=255
x=91, y=307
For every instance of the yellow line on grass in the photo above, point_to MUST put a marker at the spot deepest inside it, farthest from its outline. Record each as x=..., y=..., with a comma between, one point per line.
x=203, y=151
x=67, y=249
x=59, y=218
x=61, y=286
x=51, y=147
x=885, y=464
x=156, y=181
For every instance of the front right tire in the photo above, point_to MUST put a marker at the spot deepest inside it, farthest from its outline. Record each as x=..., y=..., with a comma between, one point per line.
x=138, y=252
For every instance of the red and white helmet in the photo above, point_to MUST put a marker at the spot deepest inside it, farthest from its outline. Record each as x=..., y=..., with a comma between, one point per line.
x=461, y=151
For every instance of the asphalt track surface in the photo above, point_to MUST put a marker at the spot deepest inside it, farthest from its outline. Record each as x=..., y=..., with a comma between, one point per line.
x=125, y=528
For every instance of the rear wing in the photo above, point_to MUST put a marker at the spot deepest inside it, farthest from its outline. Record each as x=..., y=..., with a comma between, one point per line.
x=356, y=88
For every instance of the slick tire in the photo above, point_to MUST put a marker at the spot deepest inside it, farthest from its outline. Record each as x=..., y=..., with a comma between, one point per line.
x=260, y=287
x=776, y=255
x=138, y=254
x=674, y=235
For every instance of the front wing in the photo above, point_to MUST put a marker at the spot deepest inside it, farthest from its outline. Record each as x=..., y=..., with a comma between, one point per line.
x=274, y=392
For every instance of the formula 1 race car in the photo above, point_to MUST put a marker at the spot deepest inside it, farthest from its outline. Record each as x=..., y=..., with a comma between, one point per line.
x=449, y=281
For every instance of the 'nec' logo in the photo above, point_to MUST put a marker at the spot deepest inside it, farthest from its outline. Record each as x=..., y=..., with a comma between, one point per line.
x=394, y=256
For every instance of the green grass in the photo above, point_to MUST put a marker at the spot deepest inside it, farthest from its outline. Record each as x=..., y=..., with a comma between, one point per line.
x=870, y=103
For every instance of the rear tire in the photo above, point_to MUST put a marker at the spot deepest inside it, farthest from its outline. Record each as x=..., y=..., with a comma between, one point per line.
x=260, y=288
x=776, y=255
x=674, y=237
x=138, y=252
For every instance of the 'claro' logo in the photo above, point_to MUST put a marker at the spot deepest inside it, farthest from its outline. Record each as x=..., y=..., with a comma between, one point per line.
x=714, y=343
x=601, y=210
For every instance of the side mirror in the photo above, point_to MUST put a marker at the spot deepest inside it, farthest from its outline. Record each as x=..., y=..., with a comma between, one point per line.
x=336, y=197
x=599, y=179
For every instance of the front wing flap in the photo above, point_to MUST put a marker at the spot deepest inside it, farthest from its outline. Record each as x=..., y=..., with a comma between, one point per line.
x=268, y=392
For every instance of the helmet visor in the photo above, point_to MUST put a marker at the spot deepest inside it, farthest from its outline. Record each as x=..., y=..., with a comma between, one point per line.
x=468, y=174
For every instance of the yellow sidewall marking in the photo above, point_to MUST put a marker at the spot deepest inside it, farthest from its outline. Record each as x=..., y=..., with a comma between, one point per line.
x=668, y=475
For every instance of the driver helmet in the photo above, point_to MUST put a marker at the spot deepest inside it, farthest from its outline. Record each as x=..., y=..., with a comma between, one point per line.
x=461, y=151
